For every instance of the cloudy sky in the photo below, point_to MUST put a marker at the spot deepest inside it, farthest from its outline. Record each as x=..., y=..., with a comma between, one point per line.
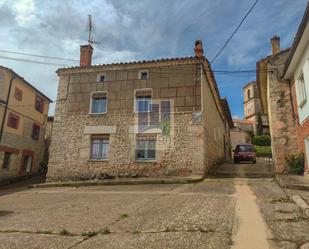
x=145, y=29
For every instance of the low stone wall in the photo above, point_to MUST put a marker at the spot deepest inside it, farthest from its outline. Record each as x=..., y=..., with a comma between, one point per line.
x=179, y=153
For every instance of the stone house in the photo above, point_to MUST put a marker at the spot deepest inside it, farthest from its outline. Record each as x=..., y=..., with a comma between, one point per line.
x=296, y=74
x=23, y=117
x=144, y=118
x=276, y=101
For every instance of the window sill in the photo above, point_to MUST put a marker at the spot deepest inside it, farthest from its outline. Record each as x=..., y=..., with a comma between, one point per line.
x=145, y=161
x=97, y=114
x=97, y=160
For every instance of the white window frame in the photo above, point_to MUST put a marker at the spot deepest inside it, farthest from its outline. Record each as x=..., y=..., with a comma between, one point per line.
x=142, y=90
x=90, y=104
x=147, y=159
x=99, y=77
x=100, y=137
x=140, y=74
x=301, y=90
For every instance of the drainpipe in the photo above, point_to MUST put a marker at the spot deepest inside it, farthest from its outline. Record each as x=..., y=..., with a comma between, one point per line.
x=6, y=105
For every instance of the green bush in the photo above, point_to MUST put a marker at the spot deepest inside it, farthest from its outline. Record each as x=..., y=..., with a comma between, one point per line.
x=263, y=140
x=296, y=162
x=262, y=151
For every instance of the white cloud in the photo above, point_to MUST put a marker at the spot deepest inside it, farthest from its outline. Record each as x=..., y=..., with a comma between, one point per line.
x=25, y=11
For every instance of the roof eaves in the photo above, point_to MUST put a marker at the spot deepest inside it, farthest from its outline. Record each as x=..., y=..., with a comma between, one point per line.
x=26, y=82
x=297, y=39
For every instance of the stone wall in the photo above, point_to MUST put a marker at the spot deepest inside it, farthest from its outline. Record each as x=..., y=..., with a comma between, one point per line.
x=178, y=154
x=280, y=112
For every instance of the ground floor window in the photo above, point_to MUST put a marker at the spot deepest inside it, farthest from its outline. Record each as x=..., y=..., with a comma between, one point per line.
x=6, y=160
x=146, y=147
x=99, y=147
x=27, y=163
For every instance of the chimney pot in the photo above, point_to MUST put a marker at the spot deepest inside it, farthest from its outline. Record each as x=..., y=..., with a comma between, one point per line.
x=198, y=49
x=275, y=44
x=85, y=55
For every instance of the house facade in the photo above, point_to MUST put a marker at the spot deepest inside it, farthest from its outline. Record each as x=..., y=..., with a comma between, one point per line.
x=145, y=118
x=276, y=101
x=23, y=117
x=296, y=73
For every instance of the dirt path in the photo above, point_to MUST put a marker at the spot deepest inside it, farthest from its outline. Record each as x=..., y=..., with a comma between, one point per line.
x=249, y=230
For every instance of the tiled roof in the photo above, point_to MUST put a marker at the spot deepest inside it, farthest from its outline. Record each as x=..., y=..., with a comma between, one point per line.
x=26, y=82
x=171, y=61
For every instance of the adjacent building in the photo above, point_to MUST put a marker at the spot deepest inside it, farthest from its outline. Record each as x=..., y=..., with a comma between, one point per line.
x=296, y=74
x=143, y=118
x=253, y=110
x=276, y=101
x=23, y=117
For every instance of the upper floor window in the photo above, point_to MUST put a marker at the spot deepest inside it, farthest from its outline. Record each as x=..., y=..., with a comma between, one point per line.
x=301, y=90
x=143, y=74
x=143, y=100
x=101, y=77
x=248, y=94
x=35, y=134
x=13, y=121
x=18, y=94
x=99, y=147
x=98, y=102
x=39, y=104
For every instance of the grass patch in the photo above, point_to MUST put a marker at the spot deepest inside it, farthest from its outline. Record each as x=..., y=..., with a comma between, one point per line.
x=281, y=200
x=105, y=230
x=89, y=234
x=124, y=216
x=262, y=151
x=135, y=231
x=44, y=232
x=65, y=232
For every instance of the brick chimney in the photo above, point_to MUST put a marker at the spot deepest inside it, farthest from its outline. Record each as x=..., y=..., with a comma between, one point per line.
x=198, y=49
x=275, y=44
x=85, y=55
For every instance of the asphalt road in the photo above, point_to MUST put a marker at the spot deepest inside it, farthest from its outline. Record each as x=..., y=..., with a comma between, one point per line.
x=214, y=214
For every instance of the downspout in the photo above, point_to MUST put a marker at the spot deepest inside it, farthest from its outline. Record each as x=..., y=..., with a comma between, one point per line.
x=6, y=105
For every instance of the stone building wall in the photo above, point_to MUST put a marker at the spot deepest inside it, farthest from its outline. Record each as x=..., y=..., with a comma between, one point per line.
x=280, y=112
x=178, y=154
x=195, y=143
x=213, y=124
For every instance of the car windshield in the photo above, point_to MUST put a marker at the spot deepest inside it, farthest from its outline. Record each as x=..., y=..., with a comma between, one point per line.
x=245, y=148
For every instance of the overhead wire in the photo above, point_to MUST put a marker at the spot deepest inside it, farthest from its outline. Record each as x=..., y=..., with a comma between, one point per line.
x=234, y=32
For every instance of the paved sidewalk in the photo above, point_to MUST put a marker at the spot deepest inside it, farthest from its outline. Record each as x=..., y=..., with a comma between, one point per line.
x=261, y=169
x=293, y=181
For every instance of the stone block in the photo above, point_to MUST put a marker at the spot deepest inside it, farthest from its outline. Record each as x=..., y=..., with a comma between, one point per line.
x=122, y=75
x=113, y=104
x=85, y=87
x=111, y=76
x=180, y=101
x=102, y=129
x=167, y=92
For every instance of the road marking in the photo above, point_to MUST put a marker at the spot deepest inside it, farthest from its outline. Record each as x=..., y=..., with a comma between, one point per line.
x=249, y=228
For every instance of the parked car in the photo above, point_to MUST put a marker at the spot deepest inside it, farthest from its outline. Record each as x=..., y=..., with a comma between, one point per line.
x=244, y=152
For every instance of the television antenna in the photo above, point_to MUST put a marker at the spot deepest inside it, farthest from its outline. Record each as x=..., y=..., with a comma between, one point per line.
x=90, y=29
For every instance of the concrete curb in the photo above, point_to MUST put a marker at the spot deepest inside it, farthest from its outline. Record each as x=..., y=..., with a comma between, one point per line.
x=289, y=185
x=301, y=204
x=18, y=179
x=118, y=182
